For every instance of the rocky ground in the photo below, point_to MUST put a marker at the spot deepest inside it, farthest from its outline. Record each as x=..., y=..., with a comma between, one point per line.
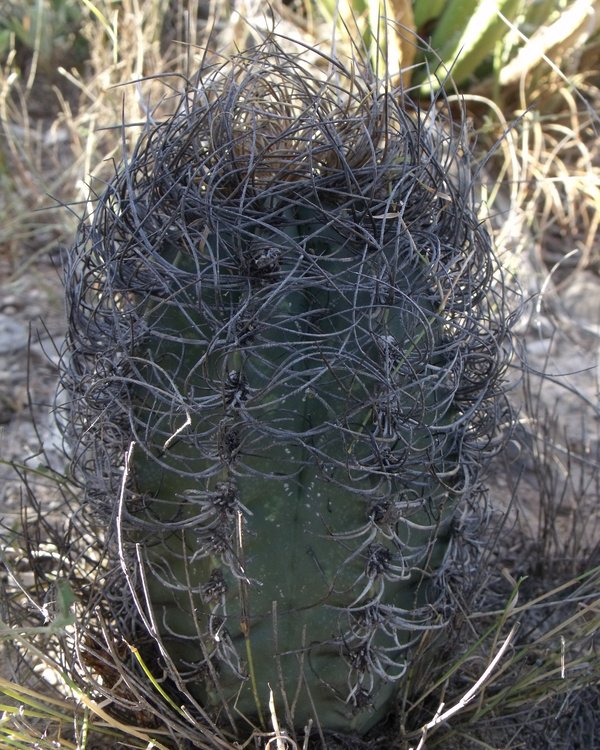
x=32, y=324
x=551, y=469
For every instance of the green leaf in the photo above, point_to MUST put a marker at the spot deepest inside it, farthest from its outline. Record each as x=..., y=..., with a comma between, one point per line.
x=462, y=48
x=427, y=10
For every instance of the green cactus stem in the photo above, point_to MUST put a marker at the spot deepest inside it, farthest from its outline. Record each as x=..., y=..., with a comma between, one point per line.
x=286, y=304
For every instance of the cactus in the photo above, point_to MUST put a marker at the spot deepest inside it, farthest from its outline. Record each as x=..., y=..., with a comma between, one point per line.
x=286, y=351
x=465, y=35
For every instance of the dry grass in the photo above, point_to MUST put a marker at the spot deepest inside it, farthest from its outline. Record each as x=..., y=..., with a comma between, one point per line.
x=536, y=602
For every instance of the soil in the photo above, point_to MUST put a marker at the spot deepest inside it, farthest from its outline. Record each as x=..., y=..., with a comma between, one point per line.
x=32, y=324
x=549, y=472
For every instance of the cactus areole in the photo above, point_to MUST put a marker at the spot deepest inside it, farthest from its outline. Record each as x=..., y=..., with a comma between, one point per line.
x=284, y=371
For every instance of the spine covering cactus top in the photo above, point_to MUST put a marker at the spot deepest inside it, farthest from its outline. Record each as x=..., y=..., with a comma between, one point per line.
x=286, y=348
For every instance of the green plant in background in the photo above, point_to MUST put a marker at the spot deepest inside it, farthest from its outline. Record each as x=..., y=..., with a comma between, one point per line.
x=285, y=355
x=465, y=34
x=46, y=29
x=464, y=40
